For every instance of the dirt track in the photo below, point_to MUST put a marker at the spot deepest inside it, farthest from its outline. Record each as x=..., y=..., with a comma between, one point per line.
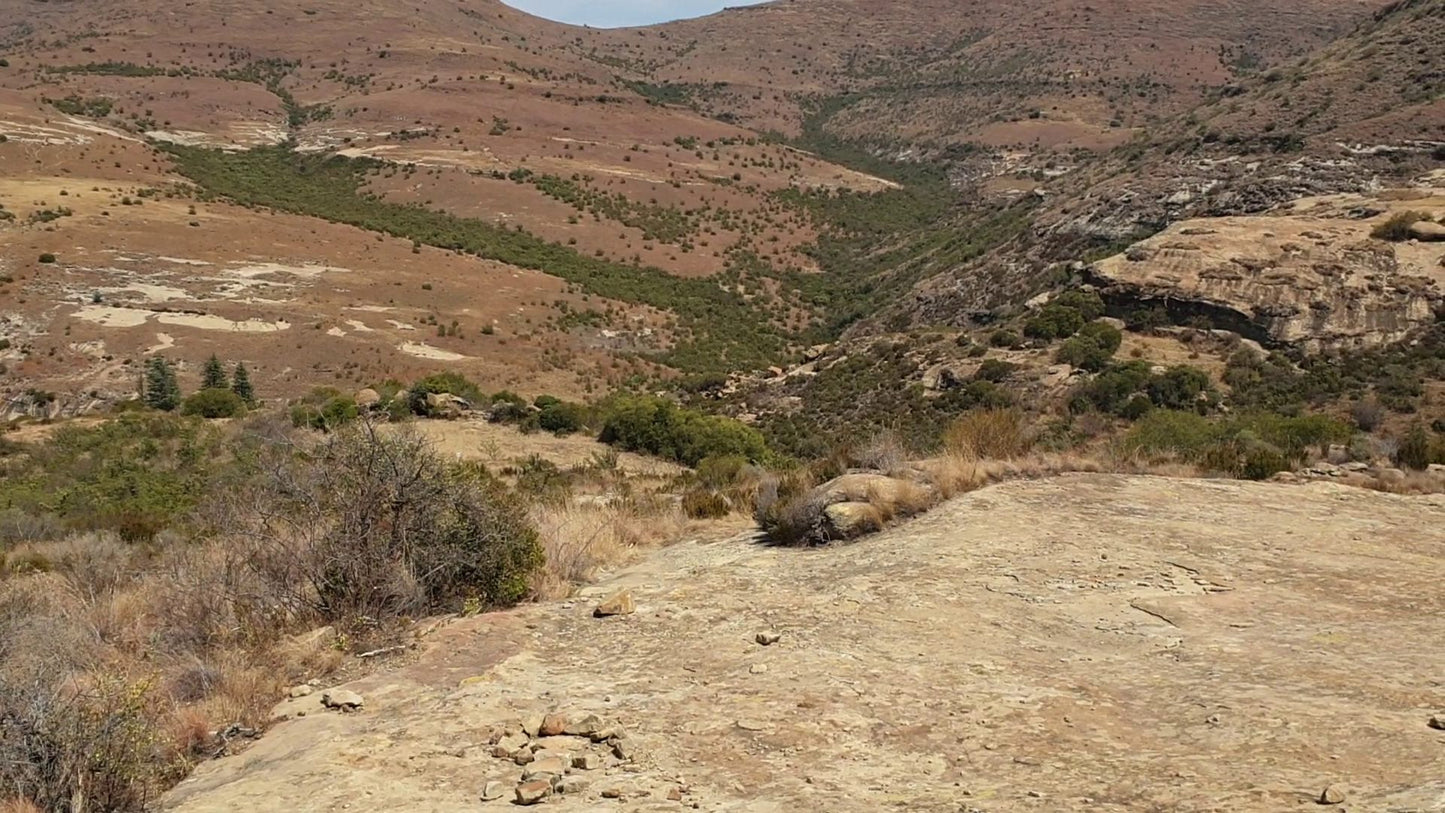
x=1087, y=642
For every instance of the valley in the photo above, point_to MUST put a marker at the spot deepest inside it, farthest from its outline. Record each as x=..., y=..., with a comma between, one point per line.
x=966, y=406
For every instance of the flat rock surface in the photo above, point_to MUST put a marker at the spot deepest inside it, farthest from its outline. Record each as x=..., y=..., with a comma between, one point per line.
x=1091, y=642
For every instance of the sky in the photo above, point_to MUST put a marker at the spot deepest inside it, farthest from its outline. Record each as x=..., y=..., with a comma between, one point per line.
x=613, y=13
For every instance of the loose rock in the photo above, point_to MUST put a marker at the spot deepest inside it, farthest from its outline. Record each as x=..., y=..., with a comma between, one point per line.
x=300, y=691
x=553, y=725
x=572, y=784
x=768, y=638
x=1437, y=722
x=493, y=790
x=587, y=762
x=342, y=700
x=1331, y=796
x=533, y=792
x=620, y=603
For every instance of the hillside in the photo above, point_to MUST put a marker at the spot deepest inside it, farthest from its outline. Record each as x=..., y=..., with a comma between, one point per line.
x=1148, y=644
x=604, y=182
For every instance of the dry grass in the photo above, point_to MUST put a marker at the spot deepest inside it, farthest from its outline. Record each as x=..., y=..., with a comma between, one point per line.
x=584, y=536
x=989, y=434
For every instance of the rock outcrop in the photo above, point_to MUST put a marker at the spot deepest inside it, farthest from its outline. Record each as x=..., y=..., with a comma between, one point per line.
x=1310, y=277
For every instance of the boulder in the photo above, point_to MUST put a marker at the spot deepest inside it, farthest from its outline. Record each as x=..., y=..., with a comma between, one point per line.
x=342, y=700
x=850, y=520
x=1427, y=231
x=619, y=603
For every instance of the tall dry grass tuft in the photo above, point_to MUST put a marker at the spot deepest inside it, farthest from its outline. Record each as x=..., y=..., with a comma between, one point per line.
x=991, y=434
x=584, y=536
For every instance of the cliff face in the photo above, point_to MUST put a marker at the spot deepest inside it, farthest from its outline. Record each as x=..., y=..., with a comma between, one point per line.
x=1310, y=276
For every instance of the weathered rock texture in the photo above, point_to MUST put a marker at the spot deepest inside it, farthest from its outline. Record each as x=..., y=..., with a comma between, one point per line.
x=1310, y=277
x=1094, y=642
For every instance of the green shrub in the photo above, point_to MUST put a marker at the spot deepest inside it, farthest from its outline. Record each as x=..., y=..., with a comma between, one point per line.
x=214, y=403
x=995, y=370
x=1397, y=228
x=1088, y=303
x=562, y=417
x=721, y=471
x=449, y=383
x=1253, y=446
x=1414, y=450
x=1179, y=387
x=1003, y=338
x=1054, y=321
x=324, y=409
x=661, y=428
x=1093, y=348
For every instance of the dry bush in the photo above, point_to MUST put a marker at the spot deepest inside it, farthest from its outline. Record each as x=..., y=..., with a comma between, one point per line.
x=366, y=525
x=993, y=434
x=700, y=503
x=784, y=509
x=18, y=806
x=884, y=452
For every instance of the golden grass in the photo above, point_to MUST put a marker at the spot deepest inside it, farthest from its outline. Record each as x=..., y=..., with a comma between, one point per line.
x=993, y=434
x=584, y=536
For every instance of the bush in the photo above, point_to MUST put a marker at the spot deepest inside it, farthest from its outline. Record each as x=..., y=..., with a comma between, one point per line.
x=1054, y=321
x=324, y=409
x=366, y=525
x=995, y=370
x=47, y=258
x=1414, y=449
x=1093, y=348
x=783, y=509
x=663, y=429
x=1397, y=228
x=1004, y=338
x=1253, y=446
x=700, y=503
x=1088, y=303
x=448, y=383
x=1368, y=415
x=562, y=417
x=214, y=403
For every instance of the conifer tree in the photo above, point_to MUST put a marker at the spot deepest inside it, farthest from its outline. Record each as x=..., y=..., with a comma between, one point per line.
x=162, y=391
x=241, y=384
x=214, y=376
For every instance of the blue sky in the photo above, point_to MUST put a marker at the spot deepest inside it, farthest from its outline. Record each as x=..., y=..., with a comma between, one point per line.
x=611, y=13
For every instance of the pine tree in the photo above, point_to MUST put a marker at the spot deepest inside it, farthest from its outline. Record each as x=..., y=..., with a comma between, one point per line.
x=161, y=389
x=241, y=384
x=214, y=376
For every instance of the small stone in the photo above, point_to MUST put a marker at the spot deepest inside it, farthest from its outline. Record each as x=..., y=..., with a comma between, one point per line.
x=532, y=725
x=758, y=669
x=612, y=793
x=493, y=790
x=572, y=784
x=620, y=603
x=531, y=793
x=622, y=750
x=553, y=725
x=1332, y=796
x=752, y=725
x=1437, y=722
x=768, y=638
x=674, y=794
x=523, y=757
x=342, y=700
x=300, y=691
x=587, y=762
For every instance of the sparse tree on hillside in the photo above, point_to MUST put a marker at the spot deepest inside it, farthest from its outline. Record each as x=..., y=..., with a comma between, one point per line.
x=162, y=391
x=241, y=384
x=214, y=376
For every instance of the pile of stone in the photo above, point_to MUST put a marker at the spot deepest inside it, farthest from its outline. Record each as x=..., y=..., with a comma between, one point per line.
x=555, y=753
